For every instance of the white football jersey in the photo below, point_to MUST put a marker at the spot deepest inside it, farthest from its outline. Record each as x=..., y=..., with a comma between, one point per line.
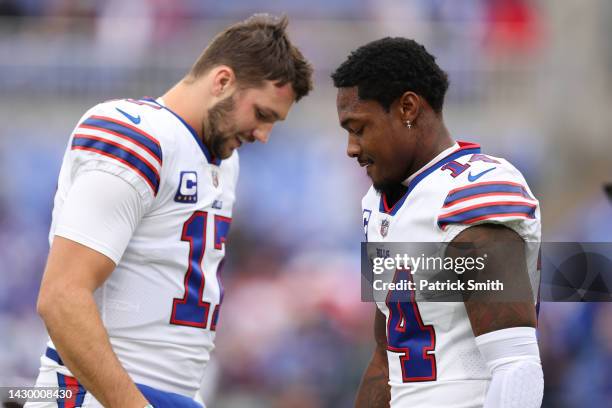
x=160, y=306
x=433, y=358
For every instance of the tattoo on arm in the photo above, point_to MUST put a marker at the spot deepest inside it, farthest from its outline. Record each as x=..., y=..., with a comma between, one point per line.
x=505, y=262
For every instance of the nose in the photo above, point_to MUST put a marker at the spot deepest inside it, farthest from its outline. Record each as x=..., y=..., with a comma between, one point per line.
x=353, y=149
x=262, y=133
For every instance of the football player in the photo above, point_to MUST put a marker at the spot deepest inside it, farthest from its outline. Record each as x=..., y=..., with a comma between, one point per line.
x=131, y=295
x=429, y=188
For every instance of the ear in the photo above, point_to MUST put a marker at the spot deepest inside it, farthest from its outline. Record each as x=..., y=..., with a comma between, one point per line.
x=410, y=106
x=223, y=80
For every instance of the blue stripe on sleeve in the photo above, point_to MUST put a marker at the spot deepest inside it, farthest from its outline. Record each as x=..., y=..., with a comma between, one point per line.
x=465, y=216
x=136, y=163
x=138, y=137
x=483, y=189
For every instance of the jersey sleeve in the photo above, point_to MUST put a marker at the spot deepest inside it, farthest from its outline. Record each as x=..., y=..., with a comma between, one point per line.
x=101, y=212
x=111, y=137
x=501, y=196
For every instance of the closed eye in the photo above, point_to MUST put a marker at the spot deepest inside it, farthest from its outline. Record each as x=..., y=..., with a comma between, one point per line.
x=357, y=132
x=260, y=115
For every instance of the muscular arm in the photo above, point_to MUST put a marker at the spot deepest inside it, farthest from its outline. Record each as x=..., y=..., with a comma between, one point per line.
x=504, y=321
x=505, y=261
x=374, y=390
x=100, y=211
x=67, y=306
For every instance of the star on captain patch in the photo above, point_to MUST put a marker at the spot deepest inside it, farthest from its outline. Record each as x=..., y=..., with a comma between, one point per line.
x=215, y=178
x=384, y=227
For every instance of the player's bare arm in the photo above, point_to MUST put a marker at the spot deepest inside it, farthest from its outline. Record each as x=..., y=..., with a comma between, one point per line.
x=506, y=262
x=374, y=390
x=67, y=306
x=504, y=323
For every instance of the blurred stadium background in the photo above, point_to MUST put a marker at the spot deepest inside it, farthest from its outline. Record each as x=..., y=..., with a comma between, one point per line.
x=530, y=80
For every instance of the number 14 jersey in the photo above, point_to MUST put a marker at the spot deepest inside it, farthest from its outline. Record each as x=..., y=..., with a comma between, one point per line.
x=432, y=355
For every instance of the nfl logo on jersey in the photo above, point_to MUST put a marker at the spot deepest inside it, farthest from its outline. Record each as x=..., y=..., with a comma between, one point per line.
x=188, y=188
x=384, y=227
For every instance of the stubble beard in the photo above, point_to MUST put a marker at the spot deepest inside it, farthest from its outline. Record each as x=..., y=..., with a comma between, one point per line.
x=388, y=188
x=214, y=136
x=391, y=187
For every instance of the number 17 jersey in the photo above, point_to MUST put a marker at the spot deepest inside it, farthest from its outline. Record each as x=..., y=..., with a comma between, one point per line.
x=160, y=306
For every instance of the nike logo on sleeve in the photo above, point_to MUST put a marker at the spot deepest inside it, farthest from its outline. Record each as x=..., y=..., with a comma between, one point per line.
x=479, y=175
x=134, y=119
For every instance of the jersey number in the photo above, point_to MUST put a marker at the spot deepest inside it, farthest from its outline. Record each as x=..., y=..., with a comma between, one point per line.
x=407, y=335
x=191, y=310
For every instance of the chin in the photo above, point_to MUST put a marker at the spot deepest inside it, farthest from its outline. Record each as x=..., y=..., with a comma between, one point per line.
x=386, y=186
x=223, y=151
x=226, y=154
x=380, y=184
x=380, y=187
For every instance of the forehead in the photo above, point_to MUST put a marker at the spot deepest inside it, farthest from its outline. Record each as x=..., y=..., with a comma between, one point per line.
x=351, y=107
x=269, y=96
x=269, y=92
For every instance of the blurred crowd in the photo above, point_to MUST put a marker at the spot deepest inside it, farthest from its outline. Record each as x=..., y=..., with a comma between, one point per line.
x=530, y=80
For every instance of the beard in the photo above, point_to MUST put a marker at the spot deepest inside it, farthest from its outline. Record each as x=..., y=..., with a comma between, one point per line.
x=214, y=136
x=393, y=189
x=390, y=189
x=390, y=184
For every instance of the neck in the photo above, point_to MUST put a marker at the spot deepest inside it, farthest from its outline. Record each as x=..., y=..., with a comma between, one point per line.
x=180, y=99
x=432, y=140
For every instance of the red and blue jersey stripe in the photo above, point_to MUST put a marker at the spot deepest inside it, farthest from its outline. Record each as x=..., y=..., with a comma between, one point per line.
x=489, y=210
x=76, y=397
x=125, y=131
x=124, y=143
x=75, y=392
x=485, y=189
